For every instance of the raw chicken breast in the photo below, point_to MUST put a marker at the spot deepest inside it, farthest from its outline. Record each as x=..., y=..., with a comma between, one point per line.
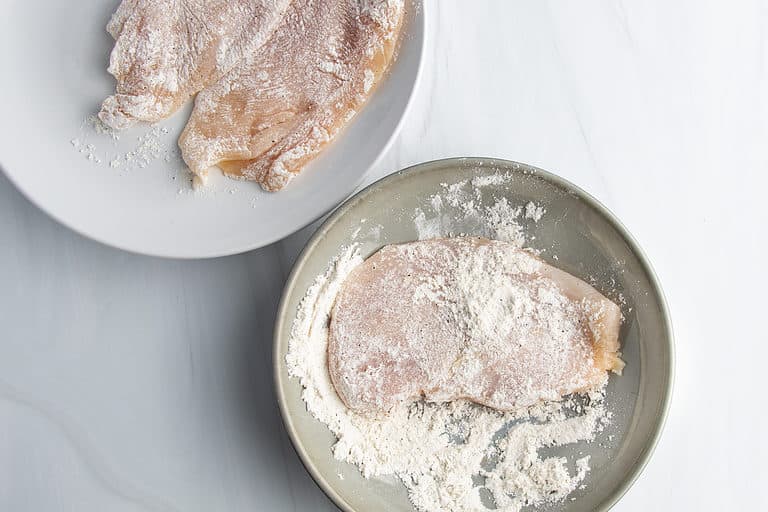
x=472, y=318
x=268, y=117
x=277, y=79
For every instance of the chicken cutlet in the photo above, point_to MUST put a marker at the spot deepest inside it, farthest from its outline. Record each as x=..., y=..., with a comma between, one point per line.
x=275, y=80
x=467, y=318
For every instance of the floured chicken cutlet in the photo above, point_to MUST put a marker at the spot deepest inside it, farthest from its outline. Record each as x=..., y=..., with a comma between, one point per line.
x=471, y=318
x=277, y=80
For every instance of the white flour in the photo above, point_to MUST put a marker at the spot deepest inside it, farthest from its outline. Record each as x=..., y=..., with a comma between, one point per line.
x=456, y=456
x=533, y=212
x=150, y=145
x=499, y=221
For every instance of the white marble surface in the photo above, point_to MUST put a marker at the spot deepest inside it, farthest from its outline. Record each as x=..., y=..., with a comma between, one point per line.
x=129, y=383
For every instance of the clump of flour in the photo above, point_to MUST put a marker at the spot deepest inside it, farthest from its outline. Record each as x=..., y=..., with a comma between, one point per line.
x=455, y=456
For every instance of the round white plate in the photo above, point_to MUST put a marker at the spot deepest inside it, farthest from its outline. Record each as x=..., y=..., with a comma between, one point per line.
x=134, y=193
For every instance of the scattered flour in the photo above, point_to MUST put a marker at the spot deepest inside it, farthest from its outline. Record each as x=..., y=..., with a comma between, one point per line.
x=499, y=221
x=532, y=211
x=150, y=146
x=489, y=179
x=454, y=456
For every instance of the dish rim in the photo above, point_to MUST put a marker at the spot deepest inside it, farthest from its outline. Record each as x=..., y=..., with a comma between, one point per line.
x=282, y=317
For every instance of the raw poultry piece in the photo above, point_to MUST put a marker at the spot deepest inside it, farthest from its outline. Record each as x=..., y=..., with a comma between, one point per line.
x=472, y=318
x=277, y=79
x=268, y=117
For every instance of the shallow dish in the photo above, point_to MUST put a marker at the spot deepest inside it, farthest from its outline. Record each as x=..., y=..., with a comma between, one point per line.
x=135, y=194
x=589, y=243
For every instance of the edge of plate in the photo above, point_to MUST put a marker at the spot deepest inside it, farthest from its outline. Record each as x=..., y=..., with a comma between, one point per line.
x=282, y=317
x=421, y=8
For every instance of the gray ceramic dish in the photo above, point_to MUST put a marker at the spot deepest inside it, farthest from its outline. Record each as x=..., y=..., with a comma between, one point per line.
x=589, y=242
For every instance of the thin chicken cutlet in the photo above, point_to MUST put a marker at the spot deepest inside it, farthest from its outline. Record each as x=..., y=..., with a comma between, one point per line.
x=276, y=80
x=471, y=318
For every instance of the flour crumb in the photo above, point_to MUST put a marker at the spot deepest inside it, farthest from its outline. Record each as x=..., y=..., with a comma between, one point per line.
x=490, y=179
x=99, y=127
x=532, y=211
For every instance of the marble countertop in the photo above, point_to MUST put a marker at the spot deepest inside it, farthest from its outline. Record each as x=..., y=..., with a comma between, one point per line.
x=130, y=383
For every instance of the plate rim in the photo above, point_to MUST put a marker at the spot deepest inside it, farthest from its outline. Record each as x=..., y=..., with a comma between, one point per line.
x=420, y=8
x=282, y=317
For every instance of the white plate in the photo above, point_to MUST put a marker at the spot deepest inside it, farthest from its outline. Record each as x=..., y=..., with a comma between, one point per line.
x=54, y=56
